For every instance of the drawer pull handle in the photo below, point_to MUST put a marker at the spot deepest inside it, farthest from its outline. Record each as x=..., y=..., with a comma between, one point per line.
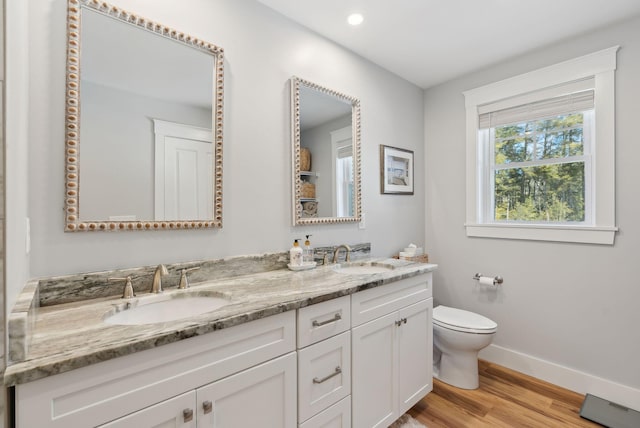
x=336, y=317
x=188, y=415
x=207, y=406
x=326, y=378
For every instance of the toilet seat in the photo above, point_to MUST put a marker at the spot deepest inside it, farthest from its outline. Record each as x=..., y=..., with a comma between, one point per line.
x=463, y=321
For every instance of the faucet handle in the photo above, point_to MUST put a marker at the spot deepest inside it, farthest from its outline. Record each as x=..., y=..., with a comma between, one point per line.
x=184, y=280
x=325, y=258
x=128, y=292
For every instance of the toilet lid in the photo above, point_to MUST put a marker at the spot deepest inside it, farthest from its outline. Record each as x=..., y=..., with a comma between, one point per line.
x=460, y=320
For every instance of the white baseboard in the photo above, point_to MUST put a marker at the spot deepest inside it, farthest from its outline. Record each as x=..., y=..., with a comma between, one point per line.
x=565, y=377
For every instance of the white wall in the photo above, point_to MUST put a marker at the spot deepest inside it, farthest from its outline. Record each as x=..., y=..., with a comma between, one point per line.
x=262, y=51
x=568, y=305
x=16, y=147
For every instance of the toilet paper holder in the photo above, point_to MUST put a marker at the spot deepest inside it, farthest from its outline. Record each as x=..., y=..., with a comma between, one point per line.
x=496, y=279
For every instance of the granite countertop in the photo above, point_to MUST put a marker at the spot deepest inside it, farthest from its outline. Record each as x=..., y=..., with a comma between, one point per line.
x=68, y=336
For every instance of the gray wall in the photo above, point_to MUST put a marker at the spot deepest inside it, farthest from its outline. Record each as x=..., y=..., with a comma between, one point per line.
x=569, y=305
x=16, y=90
x=262, y=51
x=2, y=216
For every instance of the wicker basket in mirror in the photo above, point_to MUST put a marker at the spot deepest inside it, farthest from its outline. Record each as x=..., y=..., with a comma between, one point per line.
x=308, y=190
x=305, y=159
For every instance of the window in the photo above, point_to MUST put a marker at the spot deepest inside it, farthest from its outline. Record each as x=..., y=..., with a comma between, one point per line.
x=343, y=174
x=538, y=160
x=532, y=146
x=344, y=181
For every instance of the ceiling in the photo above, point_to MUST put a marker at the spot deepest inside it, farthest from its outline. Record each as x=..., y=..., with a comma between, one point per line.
x=428, y=42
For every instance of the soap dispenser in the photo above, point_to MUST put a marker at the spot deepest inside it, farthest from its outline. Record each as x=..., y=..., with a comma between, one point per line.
x=295, y=255
x=307, y=252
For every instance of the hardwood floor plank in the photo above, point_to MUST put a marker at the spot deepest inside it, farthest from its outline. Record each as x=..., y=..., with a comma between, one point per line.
x=440, y=412
x=505, y=399
x=477, y=403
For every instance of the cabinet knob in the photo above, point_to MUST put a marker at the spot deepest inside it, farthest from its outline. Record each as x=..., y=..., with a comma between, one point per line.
x=402, y=320
x=207, y=406
x=188, y=415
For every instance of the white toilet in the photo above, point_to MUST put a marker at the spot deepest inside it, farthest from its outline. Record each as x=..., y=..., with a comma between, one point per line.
x=458, y=336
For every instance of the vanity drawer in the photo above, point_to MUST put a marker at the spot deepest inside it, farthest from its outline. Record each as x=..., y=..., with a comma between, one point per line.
x=379, y=301
x=324, y=374
x=326, y=319
x=336, y=416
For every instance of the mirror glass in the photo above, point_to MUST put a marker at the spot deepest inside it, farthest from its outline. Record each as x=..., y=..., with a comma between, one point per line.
x=326, y=154
x=144, y=124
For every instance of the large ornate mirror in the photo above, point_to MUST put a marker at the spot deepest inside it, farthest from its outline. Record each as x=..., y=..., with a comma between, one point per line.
x=325, y=154
x=143, y=124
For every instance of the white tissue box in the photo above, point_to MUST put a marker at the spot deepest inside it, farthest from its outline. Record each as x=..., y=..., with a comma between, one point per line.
x=412, y=251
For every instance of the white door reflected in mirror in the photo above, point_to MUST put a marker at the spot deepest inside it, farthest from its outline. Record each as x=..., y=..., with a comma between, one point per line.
x=183, y=172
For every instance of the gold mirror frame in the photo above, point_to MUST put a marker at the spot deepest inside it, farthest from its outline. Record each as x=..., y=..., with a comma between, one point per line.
x=72, y=120
x=298, y=219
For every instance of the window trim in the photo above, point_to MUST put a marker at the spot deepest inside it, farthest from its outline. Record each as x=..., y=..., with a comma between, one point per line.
x=601, y=67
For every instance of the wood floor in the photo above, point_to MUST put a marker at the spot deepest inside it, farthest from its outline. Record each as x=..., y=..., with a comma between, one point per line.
x=505, y=399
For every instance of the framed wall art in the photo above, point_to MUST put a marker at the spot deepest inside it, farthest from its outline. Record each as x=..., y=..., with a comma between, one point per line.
x=396, y=171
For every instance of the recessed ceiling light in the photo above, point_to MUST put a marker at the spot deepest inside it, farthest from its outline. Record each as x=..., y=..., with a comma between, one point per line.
x=355, y=19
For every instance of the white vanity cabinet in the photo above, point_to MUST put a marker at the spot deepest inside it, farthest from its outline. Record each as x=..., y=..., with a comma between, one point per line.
x=324, y=364
x=359, y=361
x=392, y=346
x=247, y=373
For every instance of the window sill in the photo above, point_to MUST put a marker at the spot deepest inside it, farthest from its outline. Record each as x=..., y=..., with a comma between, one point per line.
x=538, y=232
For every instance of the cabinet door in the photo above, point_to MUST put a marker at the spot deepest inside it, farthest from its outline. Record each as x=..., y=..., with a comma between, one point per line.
x=374, y=373
x=415, y=353
x=176, y=412
x=263, y=396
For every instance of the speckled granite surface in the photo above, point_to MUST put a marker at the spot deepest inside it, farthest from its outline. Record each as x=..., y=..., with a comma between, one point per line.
x=71, y=335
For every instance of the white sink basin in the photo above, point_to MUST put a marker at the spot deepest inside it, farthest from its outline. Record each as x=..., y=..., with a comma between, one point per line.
x=368, y=268
x=156, y=311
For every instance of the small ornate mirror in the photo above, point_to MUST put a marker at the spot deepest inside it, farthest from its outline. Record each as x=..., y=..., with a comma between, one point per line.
x=325, y=154
x=143, y=124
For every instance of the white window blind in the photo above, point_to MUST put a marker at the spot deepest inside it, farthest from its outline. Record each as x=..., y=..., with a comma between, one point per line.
x=345, y=151
x=566, y=98
x=566, y=104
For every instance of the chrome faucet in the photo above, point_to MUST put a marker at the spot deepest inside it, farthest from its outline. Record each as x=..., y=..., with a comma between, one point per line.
x=156, y=285
x=348, y=254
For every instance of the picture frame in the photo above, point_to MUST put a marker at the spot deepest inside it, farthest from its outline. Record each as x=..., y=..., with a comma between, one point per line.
x=396, y=170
